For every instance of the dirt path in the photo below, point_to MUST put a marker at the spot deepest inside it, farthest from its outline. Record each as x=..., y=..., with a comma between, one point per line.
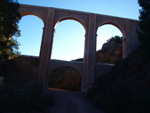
x=72, y=102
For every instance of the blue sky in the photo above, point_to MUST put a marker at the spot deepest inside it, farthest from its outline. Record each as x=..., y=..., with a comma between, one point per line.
x=71, y=31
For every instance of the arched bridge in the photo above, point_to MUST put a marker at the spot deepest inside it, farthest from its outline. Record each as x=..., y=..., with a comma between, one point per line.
x=90, y=21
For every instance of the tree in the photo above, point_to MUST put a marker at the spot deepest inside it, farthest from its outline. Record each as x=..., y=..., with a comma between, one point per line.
x=144, y=34
x=116, y=39
x=9, y=18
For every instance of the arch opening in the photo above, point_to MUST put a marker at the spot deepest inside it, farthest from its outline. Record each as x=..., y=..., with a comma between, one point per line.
x=30, y=13
x=109, y=47
x=64, y=77
x=73, y=19
x=31, y=35
x=68, y=43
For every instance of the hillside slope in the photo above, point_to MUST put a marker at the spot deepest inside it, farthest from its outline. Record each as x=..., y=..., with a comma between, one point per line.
x=126, y=88
x=111, y=51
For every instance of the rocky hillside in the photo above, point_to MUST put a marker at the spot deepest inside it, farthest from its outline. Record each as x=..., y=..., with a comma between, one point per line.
x=111, y=51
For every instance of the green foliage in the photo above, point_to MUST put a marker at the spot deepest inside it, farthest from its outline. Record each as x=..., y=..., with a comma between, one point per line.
x=144, y=34
x=9, y=17
x=116, y=39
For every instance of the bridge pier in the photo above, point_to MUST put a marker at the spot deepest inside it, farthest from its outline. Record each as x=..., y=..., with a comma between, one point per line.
x=46, y=47
x=90, y=49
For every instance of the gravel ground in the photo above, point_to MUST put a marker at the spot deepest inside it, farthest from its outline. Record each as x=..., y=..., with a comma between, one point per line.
x=72, y=102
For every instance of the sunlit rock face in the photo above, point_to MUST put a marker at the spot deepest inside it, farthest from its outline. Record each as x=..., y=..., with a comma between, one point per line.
x=110, y=53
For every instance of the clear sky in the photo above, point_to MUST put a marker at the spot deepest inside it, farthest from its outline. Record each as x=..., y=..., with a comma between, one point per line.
x=71, y=31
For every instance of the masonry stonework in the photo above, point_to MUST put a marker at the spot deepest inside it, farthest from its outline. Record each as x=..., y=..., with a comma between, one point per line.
x=91, y=22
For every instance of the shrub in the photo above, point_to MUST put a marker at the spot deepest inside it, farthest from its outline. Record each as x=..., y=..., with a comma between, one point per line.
x=126, y=88
x=29, y=99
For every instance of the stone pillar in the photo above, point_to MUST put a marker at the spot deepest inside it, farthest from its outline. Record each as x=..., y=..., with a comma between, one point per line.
x=83, y=85
x=90, y=47
x=47, y=46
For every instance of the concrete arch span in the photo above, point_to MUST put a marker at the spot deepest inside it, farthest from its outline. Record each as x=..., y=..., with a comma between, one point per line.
x=61, y=15
x=65, y=75
x=114, y=24
x=121, y=29
x=30, y=10
x=71, y=18
x=53, y=64
x=78, y=66
x=74, y=33
x=31, y=13
x=27, y=10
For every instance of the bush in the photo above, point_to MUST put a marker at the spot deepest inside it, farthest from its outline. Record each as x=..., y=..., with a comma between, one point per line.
x=116, y=39
x=126, y=88
x=34, y=98
x=121, y=99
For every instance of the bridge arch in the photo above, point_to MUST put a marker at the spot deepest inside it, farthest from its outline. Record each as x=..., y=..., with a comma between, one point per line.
x=77, y=36
x=75, y=65
x=70, y=18
x=26, y=13
x=114, y=24
x=39, y=37
x=79, y=67
x=67, y=78
x=55, y=67
x=121, y=29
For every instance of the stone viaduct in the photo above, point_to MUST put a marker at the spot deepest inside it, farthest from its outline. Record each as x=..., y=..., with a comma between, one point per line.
x=91, y=22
